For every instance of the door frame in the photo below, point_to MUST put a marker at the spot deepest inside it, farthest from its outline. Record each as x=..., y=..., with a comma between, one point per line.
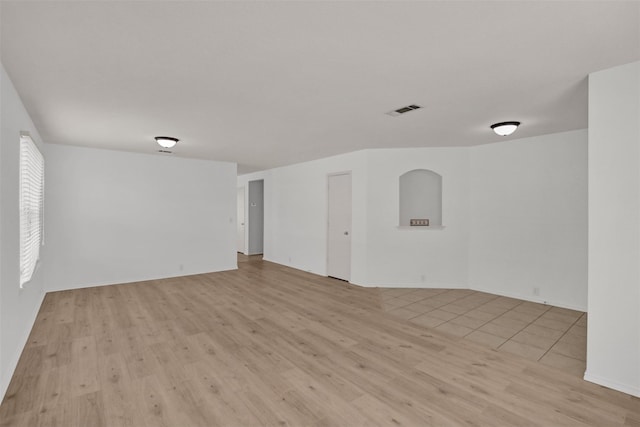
x=329, y=175
x=243, y=219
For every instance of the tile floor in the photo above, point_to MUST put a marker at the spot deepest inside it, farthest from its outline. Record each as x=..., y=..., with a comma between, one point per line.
x=553, y=336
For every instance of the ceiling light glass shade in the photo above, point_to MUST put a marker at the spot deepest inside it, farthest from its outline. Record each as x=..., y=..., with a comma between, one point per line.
x=505, y=128
x=166, y=141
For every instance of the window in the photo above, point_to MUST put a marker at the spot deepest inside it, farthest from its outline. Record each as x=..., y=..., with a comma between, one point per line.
x=31, y=206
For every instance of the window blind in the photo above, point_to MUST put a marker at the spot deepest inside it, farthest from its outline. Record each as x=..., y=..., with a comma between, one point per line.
x=31, y=206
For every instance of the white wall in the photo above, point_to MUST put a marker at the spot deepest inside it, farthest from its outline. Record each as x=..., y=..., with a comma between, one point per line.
x=382, y=254
x=514, y=217
x=114, y=217
x=528, y=213
x=295, y=216
x=417, y=257
x=18, y=307
x=613, y=342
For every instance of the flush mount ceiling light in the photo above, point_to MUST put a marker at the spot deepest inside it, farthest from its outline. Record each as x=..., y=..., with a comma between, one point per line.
x=505, y=128
x=166, y=141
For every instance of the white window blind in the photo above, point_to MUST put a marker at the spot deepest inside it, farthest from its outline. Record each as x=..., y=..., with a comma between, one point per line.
x=31, y=206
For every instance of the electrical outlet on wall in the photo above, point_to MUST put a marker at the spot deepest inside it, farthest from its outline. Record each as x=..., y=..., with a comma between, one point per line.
x=536, y=291
x=423, y=278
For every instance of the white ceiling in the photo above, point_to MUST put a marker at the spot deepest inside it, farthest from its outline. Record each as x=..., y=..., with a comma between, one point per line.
x=266, y=84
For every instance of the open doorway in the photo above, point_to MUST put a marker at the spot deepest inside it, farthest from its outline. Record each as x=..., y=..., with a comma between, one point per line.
x=255, y=223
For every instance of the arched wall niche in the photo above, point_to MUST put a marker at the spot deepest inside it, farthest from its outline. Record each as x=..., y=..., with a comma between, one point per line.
x=421, y=197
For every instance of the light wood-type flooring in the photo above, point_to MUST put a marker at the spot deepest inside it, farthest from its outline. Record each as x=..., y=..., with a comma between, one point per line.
x=271, y=346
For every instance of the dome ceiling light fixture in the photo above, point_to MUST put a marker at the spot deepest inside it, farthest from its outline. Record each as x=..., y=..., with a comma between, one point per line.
x=505, y=128
x=166, y=141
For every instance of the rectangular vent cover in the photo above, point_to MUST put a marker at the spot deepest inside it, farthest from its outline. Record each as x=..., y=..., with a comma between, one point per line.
x=403, y=110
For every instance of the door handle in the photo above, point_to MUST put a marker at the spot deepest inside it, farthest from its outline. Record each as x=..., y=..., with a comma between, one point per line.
x=346, y=233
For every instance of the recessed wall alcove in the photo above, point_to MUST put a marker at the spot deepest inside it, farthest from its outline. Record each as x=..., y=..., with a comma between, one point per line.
x=421, y=198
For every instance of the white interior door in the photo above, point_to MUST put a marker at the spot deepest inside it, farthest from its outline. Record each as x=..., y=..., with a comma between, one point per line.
x=339, y=227
x=240, y=220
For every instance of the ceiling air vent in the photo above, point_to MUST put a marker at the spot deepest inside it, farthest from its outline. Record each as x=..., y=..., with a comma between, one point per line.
x=403, y=110
x=165, y=151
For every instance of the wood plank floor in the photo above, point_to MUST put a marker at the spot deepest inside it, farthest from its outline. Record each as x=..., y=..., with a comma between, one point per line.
x=271, y=346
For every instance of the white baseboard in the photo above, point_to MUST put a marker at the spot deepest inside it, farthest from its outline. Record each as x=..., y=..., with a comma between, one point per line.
x=633, y=390
x=68, y=287
x=446, y=286
x=532, y=299
x=13, y=363
x=296, y=267
x=415, y=285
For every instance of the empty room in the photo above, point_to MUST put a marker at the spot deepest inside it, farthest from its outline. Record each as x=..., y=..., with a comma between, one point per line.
x=319, y=213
